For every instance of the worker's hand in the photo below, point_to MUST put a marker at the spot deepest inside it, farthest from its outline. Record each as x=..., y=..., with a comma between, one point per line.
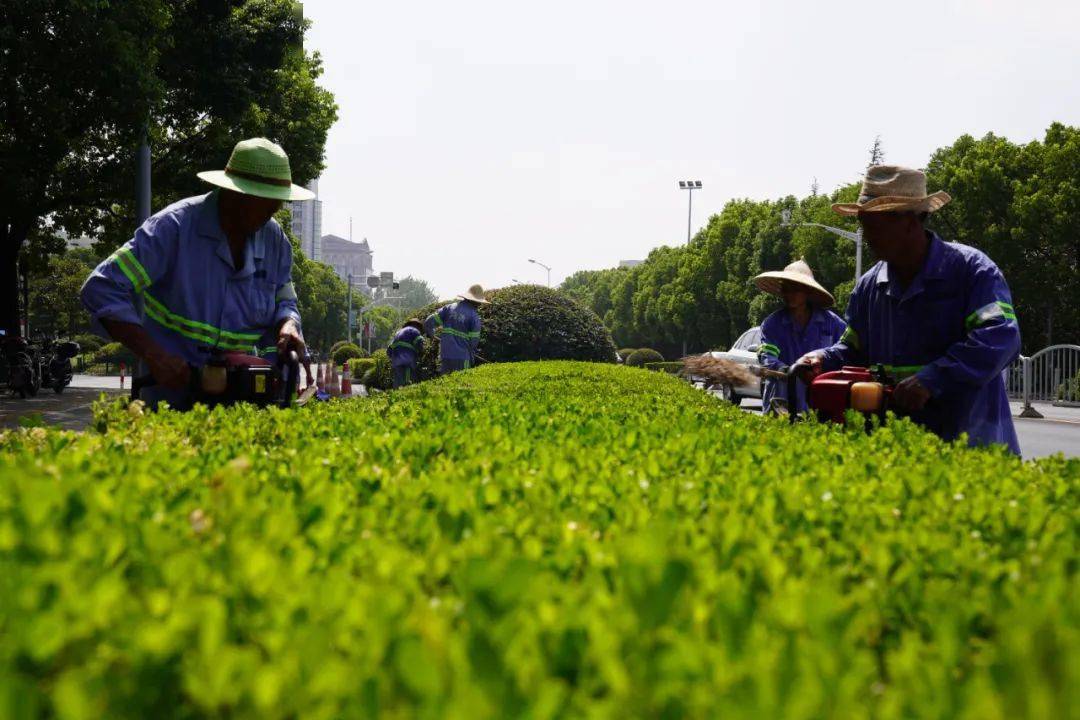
x=910, y=394
x=169, y=370
x=807, y=367
x=289, y=338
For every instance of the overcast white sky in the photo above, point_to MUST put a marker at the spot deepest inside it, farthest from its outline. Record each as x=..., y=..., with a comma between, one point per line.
x=474, y=135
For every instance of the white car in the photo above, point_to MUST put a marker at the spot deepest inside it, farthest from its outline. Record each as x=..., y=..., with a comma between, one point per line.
x=744, y=352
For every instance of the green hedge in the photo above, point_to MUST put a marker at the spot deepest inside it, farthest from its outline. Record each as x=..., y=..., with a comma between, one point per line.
x=639, y=358
x=672, y=368
x=379, y=375
x=531, y=540
x=346, y=351
x=114, y=353
x=626, y=353
x=89, y=343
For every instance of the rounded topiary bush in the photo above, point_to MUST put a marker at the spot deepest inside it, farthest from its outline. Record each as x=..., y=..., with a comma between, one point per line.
x=638, y=358
x=626, y=353
x=530, y=322
x=346, y=351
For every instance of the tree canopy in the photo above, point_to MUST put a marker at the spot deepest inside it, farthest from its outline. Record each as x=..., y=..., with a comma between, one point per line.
x=1018, y=203
x=81, y=80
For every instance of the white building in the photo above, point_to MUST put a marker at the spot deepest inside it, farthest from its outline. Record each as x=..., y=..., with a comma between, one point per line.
x=348, y=257
x=307, y=223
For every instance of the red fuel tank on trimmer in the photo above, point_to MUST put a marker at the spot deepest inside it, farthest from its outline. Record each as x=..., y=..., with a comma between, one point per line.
x=830, y=393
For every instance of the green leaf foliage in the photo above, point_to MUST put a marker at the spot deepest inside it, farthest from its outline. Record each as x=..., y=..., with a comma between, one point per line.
x=346, y=351
x=379, y=375
x=531, y=540
x=639, y=358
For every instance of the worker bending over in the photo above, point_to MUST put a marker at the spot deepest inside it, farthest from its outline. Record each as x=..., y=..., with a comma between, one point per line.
x=405, y=351
x=208, y=274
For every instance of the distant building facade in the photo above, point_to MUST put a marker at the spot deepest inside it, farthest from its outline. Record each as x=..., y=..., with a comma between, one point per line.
x=307, y=223
x=347, y=257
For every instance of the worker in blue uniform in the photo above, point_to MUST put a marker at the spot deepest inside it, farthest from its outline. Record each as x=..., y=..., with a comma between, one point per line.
x=208, y=274
x=805, y=323
x=405, y=350
x=937, y=316
x=458, y=328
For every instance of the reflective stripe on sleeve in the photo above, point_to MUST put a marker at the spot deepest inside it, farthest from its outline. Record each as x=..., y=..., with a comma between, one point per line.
x=989, y=312
x=769, y=349
x=851, y=338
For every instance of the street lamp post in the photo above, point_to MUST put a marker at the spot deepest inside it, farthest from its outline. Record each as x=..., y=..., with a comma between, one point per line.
x=690, y=186
x=534, y=262
x=855, y=237
x=515, y=281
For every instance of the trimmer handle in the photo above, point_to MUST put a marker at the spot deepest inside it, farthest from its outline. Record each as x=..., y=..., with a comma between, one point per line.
x=289, y=372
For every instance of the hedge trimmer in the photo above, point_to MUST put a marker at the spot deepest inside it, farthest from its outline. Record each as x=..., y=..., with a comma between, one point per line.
x=231, y=378
x=832, y=394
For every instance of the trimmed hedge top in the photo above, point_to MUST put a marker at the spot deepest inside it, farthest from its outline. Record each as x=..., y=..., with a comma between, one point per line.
x=540, y=540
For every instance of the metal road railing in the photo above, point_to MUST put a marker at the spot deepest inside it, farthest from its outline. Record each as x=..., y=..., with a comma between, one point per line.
x=1047, y=376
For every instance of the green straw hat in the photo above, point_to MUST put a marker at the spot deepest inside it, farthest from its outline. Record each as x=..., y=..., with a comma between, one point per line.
x=258, y=167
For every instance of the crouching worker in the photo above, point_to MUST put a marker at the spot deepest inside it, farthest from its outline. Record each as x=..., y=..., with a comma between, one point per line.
x=209, y=274
x=405, y=351
x=804, y=323
x=458, y=327
x=937, y=316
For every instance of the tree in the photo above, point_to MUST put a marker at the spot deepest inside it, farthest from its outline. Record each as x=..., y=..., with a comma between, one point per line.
x=197, y=76
x=55, y=306
x=877, y=153
x=416, y=293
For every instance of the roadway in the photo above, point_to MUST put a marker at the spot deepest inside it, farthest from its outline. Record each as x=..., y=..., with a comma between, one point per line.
x=1058, y=431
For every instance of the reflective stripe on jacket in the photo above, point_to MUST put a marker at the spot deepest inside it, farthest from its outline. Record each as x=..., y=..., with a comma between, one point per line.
x=176, y=278
x=458, y=325
x=406, y=347
x=954, y=327
x=782, y=343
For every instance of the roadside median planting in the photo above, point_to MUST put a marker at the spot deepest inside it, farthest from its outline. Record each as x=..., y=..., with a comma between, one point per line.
x=530, y=539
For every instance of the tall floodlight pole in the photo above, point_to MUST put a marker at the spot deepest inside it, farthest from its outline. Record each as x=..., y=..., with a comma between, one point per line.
x=534, y=262
x=855, y=237
x=690, y=186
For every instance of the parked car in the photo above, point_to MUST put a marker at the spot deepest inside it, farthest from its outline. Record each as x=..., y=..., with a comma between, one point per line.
x=744, y=352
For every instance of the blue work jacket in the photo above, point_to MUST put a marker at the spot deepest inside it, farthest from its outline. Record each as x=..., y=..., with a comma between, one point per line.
x=176, y=278
x=459, y=327
x=783, y=342
x=406, y=347
x=954, y=327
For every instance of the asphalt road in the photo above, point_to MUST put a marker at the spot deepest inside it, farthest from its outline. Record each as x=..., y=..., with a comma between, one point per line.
x=1058, y=431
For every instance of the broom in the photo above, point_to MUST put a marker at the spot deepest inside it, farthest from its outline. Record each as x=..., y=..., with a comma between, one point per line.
x=717, y=371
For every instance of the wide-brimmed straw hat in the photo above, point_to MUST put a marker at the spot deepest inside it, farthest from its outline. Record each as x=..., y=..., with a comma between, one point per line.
x=414, y=322
x=797, y=272
x=474, y=294
x=258, y=167
x=891, y=188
